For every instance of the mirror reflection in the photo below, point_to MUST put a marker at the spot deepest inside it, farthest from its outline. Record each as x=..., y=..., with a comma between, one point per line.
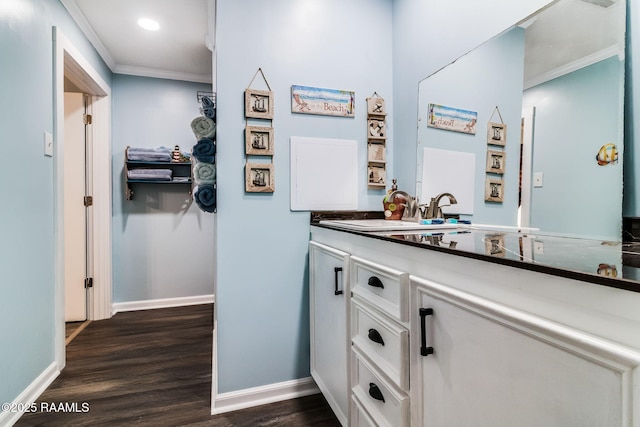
x=527, y=129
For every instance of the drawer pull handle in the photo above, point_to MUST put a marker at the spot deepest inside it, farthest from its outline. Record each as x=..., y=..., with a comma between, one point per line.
x=374, y=391
x=337, y=270
x=375, y=282
x=375, y=336
x=424, y=350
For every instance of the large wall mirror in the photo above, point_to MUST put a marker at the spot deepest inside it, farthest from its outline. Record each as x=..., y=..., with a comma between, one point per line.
x=527, y=129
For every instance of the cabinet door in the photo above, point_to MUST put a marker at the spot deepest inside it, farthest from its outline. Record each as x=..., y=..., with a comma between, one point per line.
x=329, y=294
x=493, y=366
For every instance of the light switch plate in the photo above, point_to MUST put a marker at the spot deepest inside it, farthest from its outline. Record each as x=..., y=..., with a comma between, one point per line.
x=537, y=179
x=48, y=144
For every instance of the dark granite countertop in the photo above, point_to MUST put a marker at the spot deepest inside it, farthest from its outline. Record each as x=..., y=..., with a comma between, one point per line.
x=614, y=264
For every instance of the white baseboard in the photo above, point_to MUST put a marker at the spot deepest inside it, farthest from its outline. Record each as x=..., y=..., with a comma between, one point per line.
x=247, y=398
x=29, y=395
x=161, y=303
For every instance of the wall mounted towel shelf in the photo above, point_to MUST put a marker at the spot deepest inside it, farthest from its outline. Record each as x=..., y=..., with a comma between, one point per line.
x=181, y=173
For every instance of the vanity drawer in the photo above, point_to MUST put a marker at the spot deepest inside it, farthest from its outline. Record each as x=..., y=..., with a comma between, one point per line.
x=359, y=416
x=384, y=287
x=382, y=340
x=380, y=398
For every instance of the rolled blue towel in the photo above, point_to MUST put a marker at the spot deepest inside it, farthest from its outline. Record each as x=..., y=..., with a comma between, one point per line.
x=208, y=107
x=204, y=150
x=204, y=173
x=203, y=127
x=205, y=197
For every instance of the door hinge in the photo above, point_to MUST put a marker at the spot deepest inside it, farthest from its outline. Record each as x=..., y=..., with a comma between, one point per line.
x=88, y=282
x=88, y=201
x=87, y=119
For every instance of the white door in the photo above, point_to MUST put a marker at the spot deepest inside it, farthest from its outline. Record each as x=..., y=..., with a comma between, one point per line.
x=328, y=309
x=75, y=228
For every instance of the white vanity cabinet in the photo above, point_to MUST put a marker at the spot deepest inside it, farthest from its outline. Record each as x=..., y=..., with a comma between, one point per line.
x=477, y=363
x=380, y=343
x=470, y=342
x=328, y=307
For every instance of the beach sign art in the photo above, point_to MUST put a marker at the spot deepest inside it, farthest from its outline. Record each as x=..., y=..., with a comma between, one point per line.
x=326, y=102
x=453, y=119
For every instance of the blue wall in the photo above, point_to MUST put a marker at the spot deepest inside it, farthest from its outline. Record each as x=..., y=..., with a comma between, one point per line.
x=261, y=288
x=27, y=193
x=427, y=35
x=466, y=84
x=163, y=244
x=583, y=116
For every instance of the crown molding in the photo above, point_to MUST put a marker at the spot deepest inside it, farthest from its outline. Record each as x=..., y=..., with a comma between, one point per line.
x=162, y=74
x=88, y=31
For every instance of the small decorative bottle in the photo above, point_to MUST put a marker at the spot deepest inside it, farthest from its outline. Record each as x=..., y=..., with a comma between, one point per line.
x=393, y=209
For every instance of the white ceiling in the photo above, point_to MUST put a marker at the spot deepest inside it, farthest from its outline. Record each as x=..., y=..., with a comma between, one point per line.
x=571, y=34
x=177, y=51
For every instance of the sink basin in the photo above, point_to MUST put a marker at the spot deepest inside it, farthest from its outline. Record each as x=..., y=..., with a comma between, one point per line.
x=385, y=225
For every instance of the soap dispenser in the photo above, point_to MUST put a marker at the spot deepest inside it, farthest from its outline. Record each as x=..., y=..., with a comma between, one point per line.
x=394, y=187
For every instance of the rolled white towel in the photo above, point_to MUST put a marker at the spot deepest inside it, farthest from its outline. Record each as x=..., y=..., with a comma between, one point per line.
x=204, y=173
x=203, y=127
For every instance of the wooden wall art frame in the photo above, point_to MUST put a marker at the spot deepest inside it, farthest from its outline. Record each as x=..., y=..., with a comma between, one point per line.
x=259, y=140
x=377, y=175
x=376, y=152
x=494, y=245
x=258, y=104
x=496, y=161
x=376, y=142
x=377, y=128
x=494, y=190
x=497, y=134
x=375, y=106
x=259, y=178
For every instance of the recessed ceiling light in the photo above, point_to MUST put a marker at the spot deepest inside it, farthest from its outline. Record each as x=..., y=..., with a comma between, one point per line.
x=149, y=24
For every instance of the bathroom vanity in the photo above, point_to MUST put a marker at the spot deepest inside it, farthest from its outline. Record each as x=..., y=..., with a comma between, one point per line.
x=471, y=326
x=495, y=326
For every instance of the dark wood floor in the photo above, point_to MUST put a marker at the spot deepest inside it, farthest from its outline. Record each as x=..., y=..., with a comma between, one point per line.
x=153, y=368
x=71, y=327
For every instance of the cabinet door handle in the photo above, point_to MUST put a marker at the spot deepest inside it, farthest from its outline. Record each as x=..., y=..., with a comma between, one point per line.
x=375, y=282
x=424, y=350
x=375, y=336
x=374, y=391
x=337, y=270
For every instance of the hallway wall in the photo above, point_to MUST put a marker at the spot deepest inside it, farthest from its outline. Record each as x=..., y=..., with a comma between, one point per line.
x=27, y=245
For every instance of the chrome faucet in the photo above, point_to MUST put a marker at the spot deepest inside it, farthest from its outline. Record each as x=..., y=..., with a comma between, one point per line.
x=434, y=210
x=410, y=205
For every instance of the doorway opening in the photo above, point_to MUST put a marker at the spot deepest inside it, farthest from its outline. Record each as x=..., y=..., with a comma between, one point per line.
x=526, y=159
x=90, y=255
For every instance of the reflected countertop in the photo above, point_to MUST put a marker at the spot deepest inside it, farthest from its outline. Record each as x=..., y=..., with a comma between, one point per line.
x=615, y=264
